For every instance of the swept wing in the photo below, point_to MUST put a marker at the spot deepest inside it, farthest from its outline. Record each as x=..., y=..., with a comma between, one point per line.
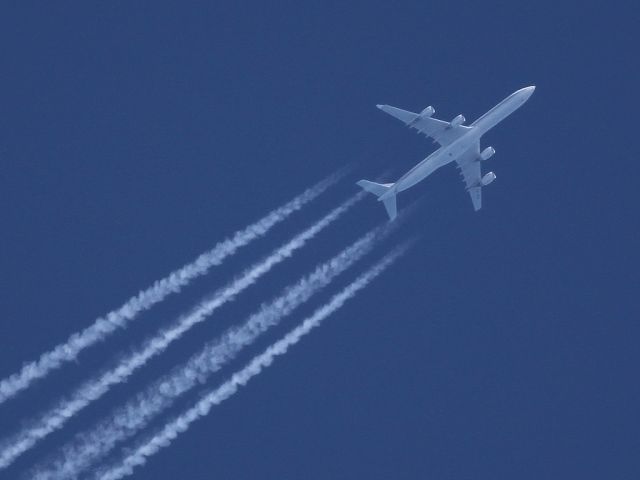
x=440, y=131
x=469, y=166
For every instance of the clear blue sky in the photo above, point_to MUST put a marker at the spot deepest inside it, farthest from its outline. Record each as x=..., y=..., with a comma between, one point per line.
x=504, y=346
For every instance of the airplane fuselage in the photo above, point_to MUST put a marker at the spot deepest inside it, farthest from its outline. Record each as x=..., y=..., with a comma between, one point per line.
x=456, y=149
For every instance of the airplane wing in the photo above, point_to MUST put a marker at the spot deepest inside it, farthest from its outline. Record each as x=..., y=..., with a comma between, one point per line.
x=439, y=130
x=469, y=166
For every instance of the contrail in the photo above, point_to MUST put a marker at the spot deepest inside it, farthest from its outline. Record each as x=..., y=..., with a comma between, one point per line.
x=145, y=299
x=93, y=389
x=180, y=424
x=138, y=412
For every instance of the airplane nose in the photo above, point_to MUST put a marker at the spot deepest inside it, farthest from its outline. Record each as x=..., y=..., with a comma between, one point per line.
x=526, y=92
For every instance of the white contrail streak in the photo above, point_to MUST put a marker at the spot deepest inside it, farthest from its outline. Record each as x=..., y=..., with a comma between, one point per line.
x=180, y=424
x=138, y=412
x=93, y=389
x=145, y=299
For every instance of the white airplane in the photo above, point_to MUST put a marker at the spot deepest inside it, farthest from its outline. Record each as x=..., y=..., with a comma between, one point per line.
x=458, y=143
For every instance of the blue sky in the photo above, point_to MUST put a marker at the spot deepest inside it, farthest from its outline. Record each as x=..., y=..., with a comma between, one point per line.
x=133, y=137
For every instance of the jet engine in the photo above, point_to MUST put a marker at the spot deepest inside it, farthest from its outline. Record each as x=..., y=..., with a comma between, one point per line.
x=456, y=122
x=487, y=179
x=427, y=112
x=487, y=153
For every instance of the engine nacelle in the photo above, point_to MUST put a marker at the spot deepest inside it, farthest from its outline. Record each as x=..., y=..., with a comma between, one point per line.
x=487, y=153
x=456, y=122
x=427, y=112
x=487, y=179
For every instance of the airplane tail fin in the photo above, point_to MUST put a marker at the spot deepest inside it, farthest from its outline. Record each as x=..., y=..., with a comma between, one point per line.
x=381, y=191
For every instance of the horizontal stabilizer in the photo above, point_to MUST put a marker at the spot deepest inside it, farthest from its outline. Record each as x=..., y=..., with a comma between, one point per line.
x=390, y=205
x=379, y=190
x=376, y=188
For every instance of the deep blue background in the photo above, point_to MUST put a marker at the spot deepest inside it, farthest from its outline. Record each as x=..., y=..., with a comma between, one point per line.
x=134, y=137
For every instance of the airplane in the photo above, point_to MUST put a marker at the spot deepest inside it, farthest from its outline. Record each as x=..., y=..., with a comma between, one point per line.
x=458, y=143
